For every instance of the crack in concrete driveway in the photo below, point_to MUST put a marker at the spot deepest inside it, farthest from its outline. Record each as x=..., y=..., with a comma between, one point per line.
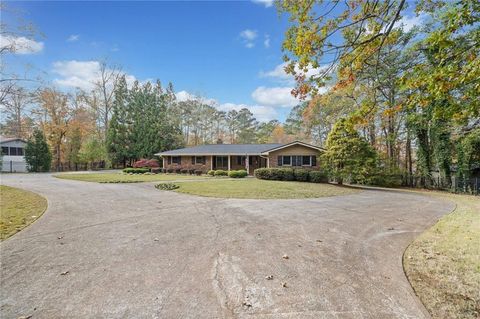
x=131, y=251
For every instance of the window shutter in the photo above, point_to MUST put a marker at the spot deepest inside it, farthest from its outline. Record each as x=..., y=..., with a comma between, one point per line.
x=193, y=160
x=314, y=160
x=279, y=160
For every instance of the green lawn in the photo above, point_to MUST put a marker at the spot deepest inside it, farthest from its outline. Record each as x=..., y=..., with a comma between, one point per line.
x=125, y=178
x=261, y=189
x=443, y=264
x=18, y=209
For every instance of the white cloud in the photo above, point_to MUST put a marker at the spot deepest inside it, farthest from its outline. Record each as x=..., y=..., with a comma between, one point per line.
x=266, y=42
x=73, y=38
x=81, y=74
x=185, y=96
x=249, y=34
x=249, y=37
x=266, y=3
x=77, y=74
x=20, y=45
x=274, y=96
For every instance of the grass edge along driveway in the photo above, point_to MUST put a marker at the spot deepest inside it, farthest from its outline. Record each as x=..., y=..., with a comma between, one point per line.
x=252, y=188
x=18, y=209
x=443, y=263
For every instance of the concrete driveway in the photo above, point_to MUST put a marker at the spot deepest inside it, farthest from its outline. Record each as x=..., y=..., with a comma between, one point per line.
x=131, y=251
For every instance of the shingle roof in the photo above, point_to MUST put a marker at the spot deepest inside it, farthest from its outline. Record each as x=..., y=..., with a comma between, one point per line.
x=222, y=149
x=4, y=139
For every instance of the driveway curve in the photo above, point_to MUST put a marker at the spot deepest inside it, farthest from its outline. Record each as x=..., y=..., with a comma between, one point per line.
x=131, y=251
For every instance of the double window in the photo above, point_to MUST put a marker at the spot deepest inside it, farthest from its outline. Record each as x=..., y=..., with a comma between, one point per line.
x=297, y=160
x=221, y=161
x=13, y=151
x=176, y=160
x=198, y=160
x=241, y=160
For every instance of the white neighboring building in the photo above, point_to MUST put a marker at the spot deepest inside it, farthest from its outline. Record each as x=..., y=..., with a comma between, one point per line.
x=13, y=151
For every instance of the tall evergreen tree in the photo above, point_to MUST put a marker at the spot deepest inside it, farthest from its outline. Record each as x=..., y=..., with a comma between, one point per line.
x=37, y=153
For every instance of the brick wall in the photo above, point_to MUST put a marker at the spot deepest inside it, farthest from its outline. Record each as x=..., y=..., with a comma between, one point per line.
x=186, y=163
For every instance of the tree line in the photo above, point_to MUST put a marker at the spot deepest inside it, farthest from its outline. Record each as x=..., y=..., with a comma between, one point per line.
x=411, y=94
x=386, y=100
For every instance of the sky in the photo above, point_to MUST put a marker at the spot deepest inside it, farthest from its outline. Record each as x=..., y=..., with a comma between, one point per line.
x=228, y=52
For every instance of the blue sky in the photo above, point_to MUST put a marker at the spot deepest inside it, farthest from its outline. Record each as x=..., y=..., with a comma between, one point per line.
x=226, y=51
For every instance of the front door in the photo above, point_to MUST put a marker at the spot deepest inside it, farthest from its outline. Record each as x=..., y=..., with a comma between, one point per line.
x=255, y=162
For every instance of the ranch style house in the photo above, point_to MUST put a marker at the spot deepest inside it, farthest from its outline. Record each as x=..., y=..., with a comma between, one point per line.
x=242, y=156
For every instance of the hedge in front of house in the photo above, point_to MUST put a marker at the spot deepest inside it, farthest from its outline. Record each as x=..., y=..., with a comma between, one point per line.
x=238, y=174
x=288, y=174
x=221, y=172
x=132, y=170
x=211, y=172
x=301, y=175
x=275, y=174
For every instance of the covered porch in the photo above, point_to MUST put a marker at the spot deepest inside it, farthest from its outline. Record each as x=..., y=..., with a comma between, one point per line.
x=238, y=162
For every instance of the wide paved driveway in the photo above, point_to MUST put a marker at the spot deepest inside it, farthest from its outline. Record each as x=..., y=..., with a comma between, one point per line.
x=131, y=251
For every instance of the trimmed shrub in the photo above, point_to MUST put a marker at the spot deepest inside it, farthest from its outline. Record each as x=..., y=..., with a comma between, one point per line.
x=275, y=174
x=156, y=170
x=301, y=175
x=170, y=170
x=131, y=170
x=317, y=177
x=211, y=172
x=166, y=186
x=221, y=172
x=287, y=174
x=184, y=171
x=238, y=174
x=191, y=171
x=198, y=172
x=263, y=173
x=146, y=163
x=178, y=170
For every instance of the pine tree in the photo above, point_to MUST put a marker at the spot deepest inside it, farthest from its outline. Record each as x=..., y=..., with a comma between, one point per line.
x=37, y=153
x=118, y=131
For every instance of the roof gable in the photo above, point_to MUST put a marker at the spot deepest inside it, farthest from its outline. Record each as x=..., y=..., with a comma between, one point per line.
x=293, y=144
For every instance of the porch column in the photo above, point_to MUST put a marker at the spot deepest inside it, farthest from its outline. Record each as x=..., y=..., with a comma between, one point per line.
x=228, y=162
x=163, y=160
x=247, y=165
x=211, y=162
